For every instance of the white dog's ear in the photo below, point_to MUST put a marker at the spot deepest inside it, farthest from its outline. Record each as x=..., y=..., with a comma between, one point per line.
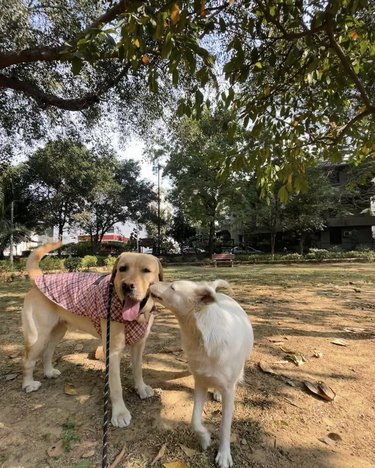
x=205, y=294
x=222, y=284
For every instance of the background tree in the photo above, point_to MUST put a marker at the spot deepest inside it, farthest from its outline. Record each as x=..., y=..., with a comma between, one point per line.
x=193, y=167
x=61, y=175
x=307, y=212
x=118, y=196
x=180, y=229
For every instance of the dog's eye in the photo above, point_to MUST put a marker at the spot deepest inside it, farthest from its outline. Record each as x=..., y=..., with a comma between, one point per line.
x=123, y=268
x=146, y=270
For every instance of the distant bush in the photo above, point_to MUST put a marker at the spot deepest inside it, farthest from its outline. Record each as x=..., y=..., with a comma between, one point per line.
x=72, y=264
x=318, y=254
x=51, y=263
x=88, y=262
x=19, y=264
x=109, y=261
x=292, y=256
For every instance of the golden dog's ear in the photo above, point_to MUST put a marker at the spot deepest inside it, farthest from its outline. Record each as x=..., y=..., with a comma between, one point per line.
x=160, y=269
x=114, y=270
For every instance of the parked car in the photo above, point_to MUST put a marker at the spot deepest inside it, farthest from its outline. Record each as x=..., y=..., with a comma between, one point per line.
x=245, y=250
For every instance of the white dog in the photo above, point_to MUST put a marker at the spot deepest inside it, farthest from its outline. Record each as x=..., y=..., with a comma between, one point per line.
x=217, y=338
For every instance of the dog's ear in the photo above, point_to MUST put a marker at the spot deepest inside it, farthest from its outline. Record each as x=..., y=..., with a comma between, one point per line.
x=160, y=269
x=114, y=269
x=222, y=284
x=205, y=294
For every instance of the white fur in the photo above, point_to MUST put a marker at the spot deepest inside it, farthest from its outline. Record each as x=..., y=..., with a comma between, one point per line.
x=217, y=338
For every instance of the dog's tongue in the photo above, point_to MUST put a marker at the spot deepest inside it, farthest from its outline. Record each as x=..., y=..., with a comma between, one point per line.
x=130, y=310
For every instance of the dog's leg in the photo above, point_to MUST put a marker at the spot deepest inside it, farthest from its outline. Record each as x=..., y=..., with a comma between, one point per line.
x=56, y=336
x=200, y=395
x=136, y=351
x=31, y=355
x=224, y=457
x=120, y=414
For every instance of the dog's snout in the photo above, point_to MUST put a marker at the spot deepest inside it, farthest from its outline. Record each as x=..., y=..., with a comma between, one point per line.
x=128, y=287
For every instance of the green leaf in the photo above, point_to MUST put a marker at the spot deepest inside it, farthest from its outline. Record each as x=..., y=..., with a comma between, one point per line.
x=77, y=64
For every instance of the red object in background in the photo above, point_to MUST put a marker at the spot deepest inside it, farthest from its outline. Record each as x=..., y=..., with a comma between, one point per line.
x=107, y=238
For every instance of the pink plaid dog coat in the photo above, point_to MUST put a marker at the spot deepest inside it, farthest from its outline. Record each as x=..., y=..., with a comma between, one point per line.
x=86, y=294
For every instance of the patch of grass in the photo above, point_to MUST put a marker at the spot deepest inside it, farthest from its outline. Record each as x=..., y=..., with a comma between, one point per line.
x=69, y=434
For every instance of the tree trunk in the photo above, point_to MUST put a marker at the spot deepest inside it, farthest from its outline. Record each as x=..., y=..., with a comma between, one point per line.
x=301, y=243
x=273, y=242
x=211, y=238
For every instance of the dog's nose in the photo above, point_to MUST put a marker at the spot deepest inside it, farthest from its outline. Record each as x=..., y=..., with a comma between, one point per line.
x=128, y=287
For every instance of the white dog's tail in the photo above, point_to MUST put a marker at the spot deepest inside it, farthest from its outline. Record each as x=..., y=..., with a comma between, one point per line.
x=222, y=284
x=32, y=264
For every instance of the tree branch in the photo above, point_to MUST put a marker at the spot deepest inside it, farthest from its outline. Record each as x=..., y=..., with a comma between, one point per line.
x=348, y=67
x=45, y=100
x=49, y=54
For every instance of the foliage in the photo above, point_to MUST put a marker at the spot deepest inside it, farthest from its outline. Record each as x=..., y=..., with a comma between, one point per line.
x=302, y=81
x=72, y=264
x=89, y=261
x=180, y=229
x=119, y=196
x=109, y=261
x=193, y=166
x=60, y=176
x=51, y=263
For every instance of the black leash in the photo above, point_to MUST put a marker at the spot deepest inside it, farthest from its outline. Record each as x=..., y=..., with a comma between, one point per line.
x=106, y=382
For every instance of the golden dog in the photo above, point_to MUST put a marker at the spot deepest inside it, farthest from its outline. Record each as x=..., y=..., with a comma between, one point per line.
x=48, y=311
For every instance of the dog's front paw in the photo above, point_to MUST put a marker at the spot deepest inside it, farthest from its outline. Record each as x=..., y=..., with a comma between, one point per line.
x=31, y=386
x=52, y=374
x=224, y=459
x=121, y=418
x=145, y=391
x=204, y=438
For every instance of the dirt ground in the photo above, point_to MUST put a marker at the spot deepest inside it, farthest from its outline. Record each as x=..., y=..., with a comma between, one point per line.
x=277, y=421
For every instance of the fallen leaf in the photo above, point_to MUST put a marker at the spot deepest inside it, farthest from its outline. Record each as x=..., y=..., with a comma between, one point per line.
x=14, y=355
x=70, y=389
x=119, y=457
x=159, y=455
x=175, y=464
x=11, y=376
x=340, y=342
x=290, y=382
x=188, y=451
x=355, y=330
x=317, y=354
x=294, y=356
x=331, y=439
x=266, y=368
x=278, y=339
x=357, y=290
x=87, y=449
x=321, y=389
x=56, y=450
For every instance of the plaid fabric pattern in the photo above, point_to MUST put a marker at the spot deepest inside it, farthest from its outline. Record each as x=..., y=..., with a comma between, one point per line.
x=78, y=293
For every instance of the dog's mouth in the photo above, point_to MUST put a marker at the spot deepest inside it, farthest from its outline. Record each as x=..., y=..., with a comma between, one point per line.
x=131, y=307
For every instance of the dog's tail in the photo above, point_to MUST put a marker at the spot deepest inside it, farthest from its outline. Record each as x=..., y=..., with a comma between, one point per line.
x=222, y=284
x=32, y=264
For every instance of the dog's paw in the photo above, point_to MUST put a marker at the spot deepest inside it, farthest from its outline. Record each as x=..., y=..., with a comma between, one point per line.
x=31, y=386
x=204, y=438
x=224, y=459
x=121, y=418
x=216, y=395
x=145, y=391
x=52, y=374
